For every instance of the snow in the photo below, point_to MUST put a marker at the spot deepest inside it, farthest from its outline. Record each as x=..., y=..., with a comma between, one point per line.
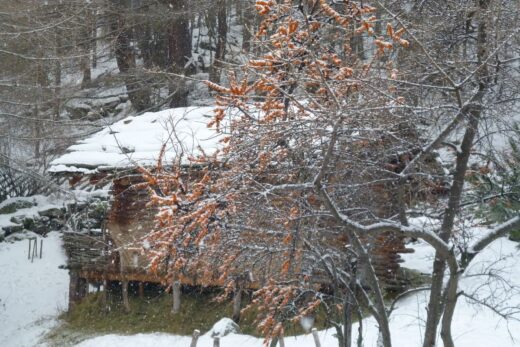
x=473, y=325
x=31, y=294
x=422, y=259
x=138, y=140
x=41, y=203
x=223, y=327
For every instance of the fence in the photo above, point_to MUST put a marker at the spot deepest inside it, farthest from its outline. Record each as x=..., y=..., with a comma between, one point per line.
x=33, y=243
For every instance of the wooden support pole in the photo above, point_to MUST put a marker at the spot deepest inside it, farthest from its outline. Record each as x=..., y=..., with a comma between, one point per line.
x=216, y=341
x=126, y=303
x=176, y=293
x=35, y=249
x=281, y=340
x=73, y=288
x=314, y=332
x=237, y=304
x=77, y=288
x=41, y=248
x=105, y=293
x=29, y=252
x=141, y=290
x=195, y=338
x=82, y=288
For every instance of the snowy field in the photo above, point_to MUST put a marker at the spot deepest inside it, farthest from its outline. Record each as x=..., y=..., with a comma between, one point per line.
x=33, y=294
x=473, y=326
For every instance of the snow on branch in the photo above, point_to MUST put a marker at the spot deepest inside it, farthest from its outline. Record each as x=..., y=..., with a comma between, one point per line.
x=495, y=233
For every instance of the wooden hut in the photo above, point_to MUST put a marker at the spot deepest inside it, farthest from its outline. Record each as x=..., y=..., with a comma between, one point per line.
x=110, y=157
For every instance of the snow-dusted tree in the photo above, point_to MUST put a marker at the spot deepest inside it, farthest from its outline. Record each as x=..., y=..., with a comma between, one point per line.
x=328, y=148
x=311, y=141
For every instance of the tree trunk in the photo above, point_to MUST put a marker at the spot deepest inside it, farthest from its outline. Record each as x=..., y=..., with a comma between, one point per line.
x=138, y=92
x=435, y=305
x=57, y=73
x=220, y=53
x=179, y=52
x=237, y=303
x=85, y=39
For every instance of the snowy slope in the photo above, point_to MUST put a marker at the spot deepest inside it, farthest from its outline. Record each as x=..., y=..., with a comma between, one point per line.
x=31, y=294
x=473, y=326
x=40, y=202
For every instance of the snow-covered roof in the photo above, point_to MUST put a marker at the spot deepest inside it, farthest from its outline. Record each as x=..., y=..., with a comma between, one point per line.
x=137, y=140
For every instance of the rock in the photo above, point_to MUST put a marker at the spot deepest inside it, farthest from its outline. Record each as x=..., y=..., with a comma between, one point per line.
x=12, y=229
x=41, y=226
x=52, y=213
x=28, y=223
x=42, y=220
x=17, y=219
x=78, y=111
x=56, y=224
x=20, y=236
x=93, y=115
x=224, y=327
x=12, y=207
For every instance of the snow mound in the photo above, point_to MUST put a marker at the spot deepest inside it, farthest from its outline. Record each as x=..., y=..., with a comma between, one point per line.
x=224, y=327
x=31, y=294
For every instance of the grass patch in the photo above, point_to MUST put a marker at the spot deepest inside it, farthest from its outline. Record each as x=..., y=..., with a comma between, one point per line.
x=515, y=235
x=153, y=314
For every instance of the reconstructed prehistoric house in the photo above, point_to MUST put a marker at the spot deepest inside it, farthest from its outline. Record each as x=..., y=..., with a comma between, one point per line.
x=109, y=157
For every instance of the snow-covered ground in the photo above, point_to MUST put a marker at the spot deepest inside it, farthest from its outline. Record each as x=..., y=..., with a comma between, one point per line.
x=40, y=203
x=473, y=326
x=31, y=294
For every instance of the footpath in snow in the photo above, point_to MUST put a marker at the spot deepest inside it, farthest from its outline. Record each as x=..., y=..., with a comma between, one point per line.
x=31, y=294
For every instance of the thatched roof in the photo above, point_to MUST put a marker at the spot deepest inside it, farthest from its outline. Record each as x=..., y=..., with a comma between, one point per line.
x=137, y=140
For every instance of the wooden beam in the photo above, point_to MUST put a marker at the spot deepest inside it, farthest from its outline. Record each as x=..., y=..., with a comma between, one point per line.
x=176, y=292
x=126, y=303
x=141, y=290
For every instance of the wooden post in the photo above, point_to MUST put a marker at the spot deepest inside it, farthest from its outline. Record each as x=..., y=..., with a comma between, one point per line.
x=35, y=249
x=41, y=248
x=105, y=293
x=281, y=340
x=141, y=290
x=77, y=288
x=82, y=288
x=176, y=293
x=73, y=288
x=126, y=303
x=216, y=341
x=314, y=332
x=237, y=303
x=29, y=253
x=195, y=338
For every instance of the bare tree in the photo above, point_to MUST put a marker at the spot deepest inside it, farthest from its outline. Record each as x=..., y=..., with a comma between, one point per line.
x=321, y=134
